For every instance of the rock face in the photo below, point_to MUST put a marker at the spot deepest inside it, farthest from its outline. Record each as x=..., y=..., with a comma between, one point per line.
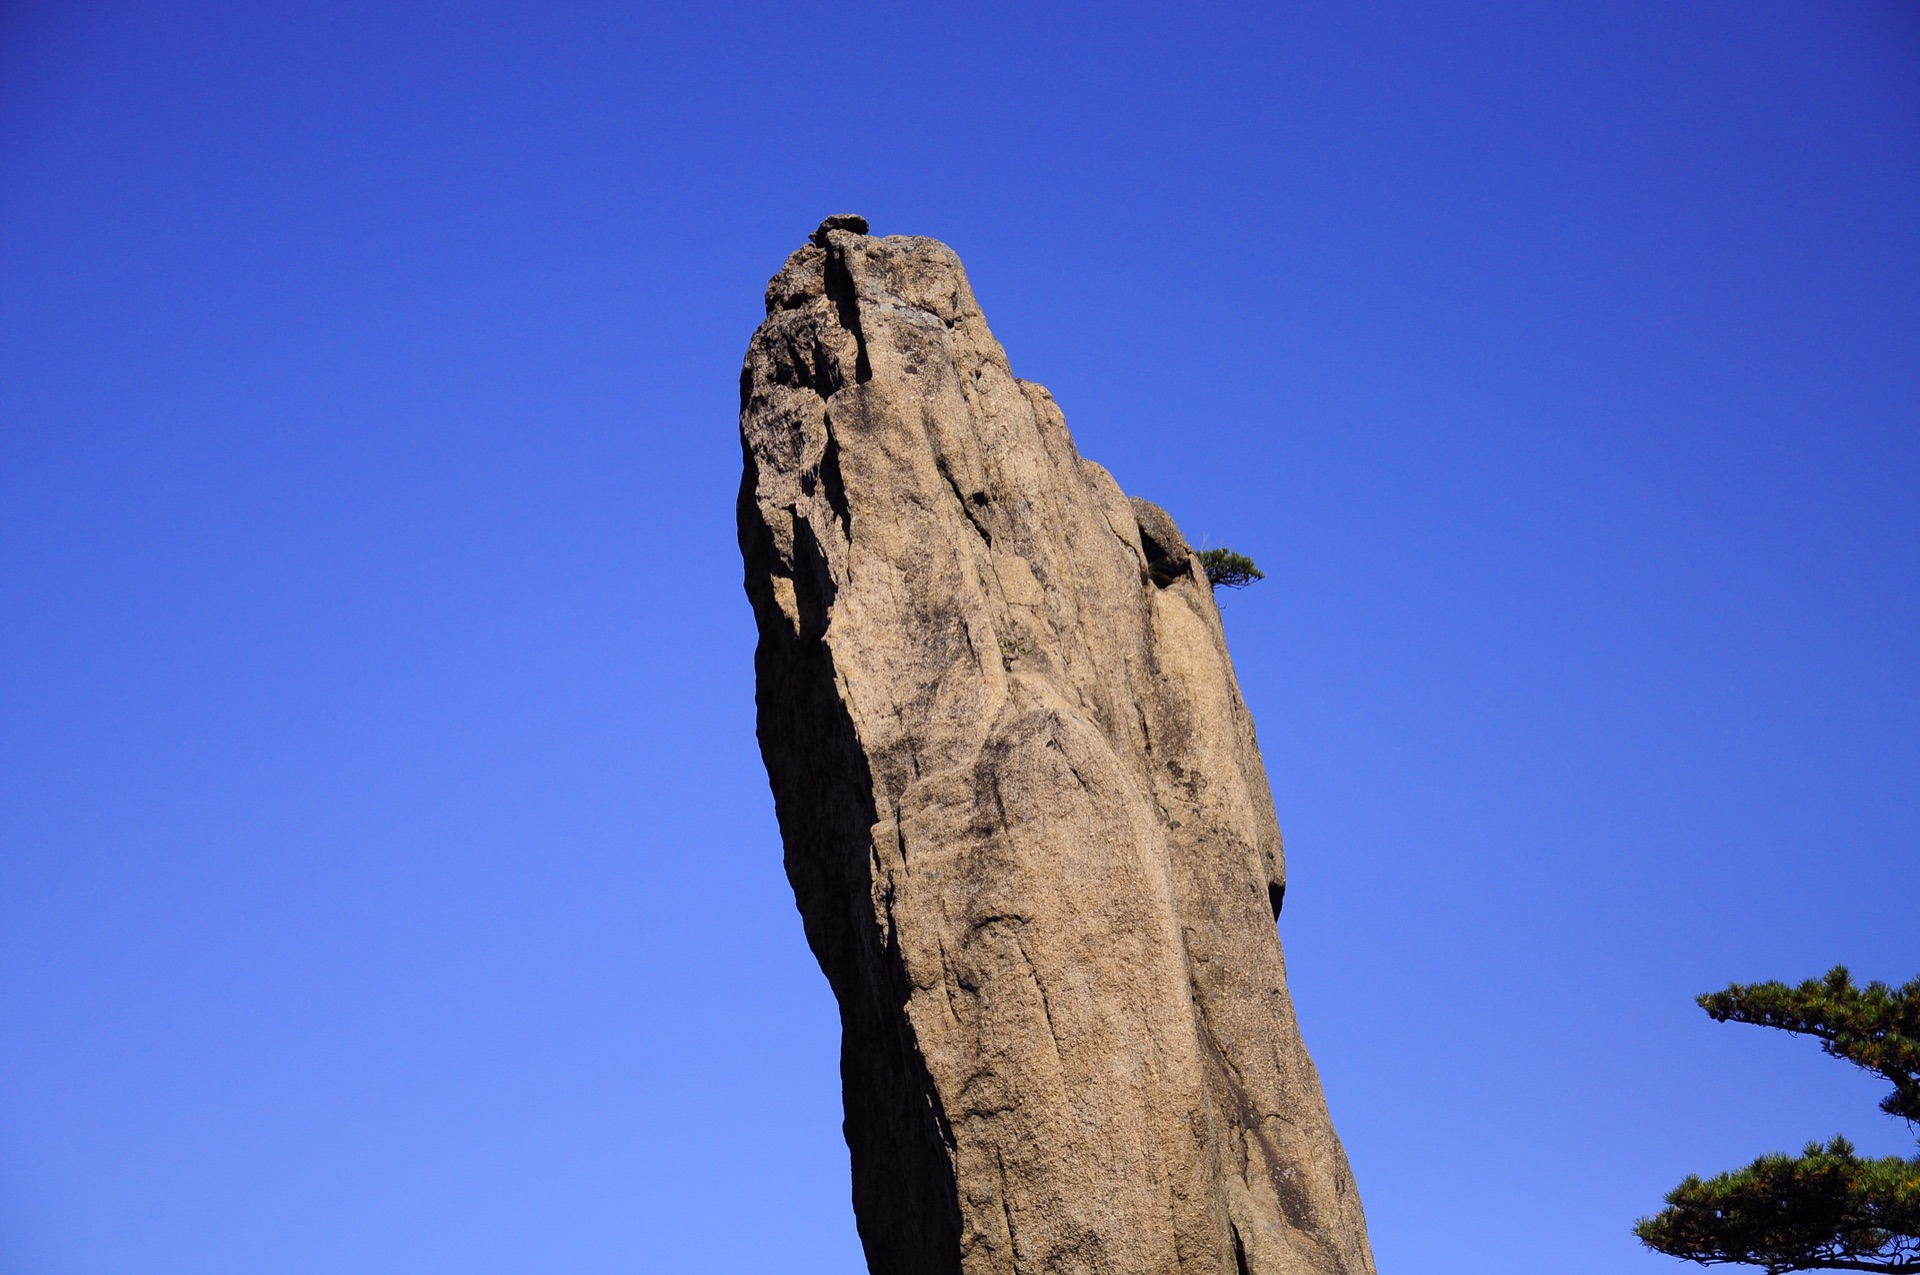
x=1026, y=821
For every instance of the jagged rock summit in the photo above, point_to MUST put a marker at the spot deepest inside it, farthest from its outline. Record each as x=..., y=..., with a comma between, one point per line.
x=1025, y=818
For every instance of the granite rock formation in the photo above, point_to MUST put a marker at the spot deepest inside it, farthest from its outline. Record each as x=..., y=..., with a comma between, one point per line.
x=1025, y=818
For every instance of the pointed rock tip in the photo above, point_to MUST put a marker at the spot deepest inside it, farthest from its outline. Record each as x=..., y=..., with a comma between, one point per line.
x=839, y=221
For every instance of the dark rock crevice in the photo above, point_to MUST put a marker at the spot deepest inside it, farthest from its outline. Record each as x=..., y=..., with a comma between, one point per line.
x=846, y=304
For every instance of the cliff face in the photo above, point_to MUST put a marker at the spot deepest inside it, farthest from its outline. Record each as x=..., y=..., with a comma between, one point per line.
x=1026, y=821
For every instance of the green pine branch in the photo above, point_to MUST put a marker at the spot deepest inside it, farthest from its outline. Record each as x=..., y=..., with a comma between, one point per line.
x=1825, y=1209
x=1876, y=1027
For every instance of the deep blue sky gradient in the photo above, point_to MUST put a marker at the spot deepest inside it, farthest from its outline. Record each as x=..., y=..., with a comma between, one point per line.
x=388, y=881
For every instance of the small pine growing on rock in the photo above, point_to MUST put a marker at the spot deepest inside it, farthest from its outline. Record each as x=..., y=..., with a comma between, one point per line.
x=1224, y=566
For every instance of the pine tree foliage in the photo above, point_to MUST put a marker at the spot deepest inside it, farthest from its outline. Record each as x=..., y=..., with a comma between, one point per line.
x=1825, y=1209
x=1225, y=567
x=1875, y=1027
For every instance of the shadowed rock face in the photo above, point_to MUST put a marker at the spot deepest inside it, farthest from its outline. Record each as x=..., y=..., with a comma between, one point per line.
x=1025, y=817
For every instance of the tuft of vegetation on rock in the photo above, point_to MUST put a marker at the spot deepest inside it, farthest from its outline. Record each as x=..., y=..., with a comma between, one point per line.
x=1826, y=1208
x=1225, y=567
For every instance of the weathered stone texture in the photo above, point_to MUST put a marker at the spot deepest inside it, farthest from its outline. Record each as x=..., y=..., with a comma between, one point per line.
x=1026, y=821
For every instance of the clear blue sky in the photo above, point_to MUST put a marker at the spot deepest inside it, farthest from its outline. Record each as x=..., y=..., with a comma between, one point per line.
x=388, y=880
